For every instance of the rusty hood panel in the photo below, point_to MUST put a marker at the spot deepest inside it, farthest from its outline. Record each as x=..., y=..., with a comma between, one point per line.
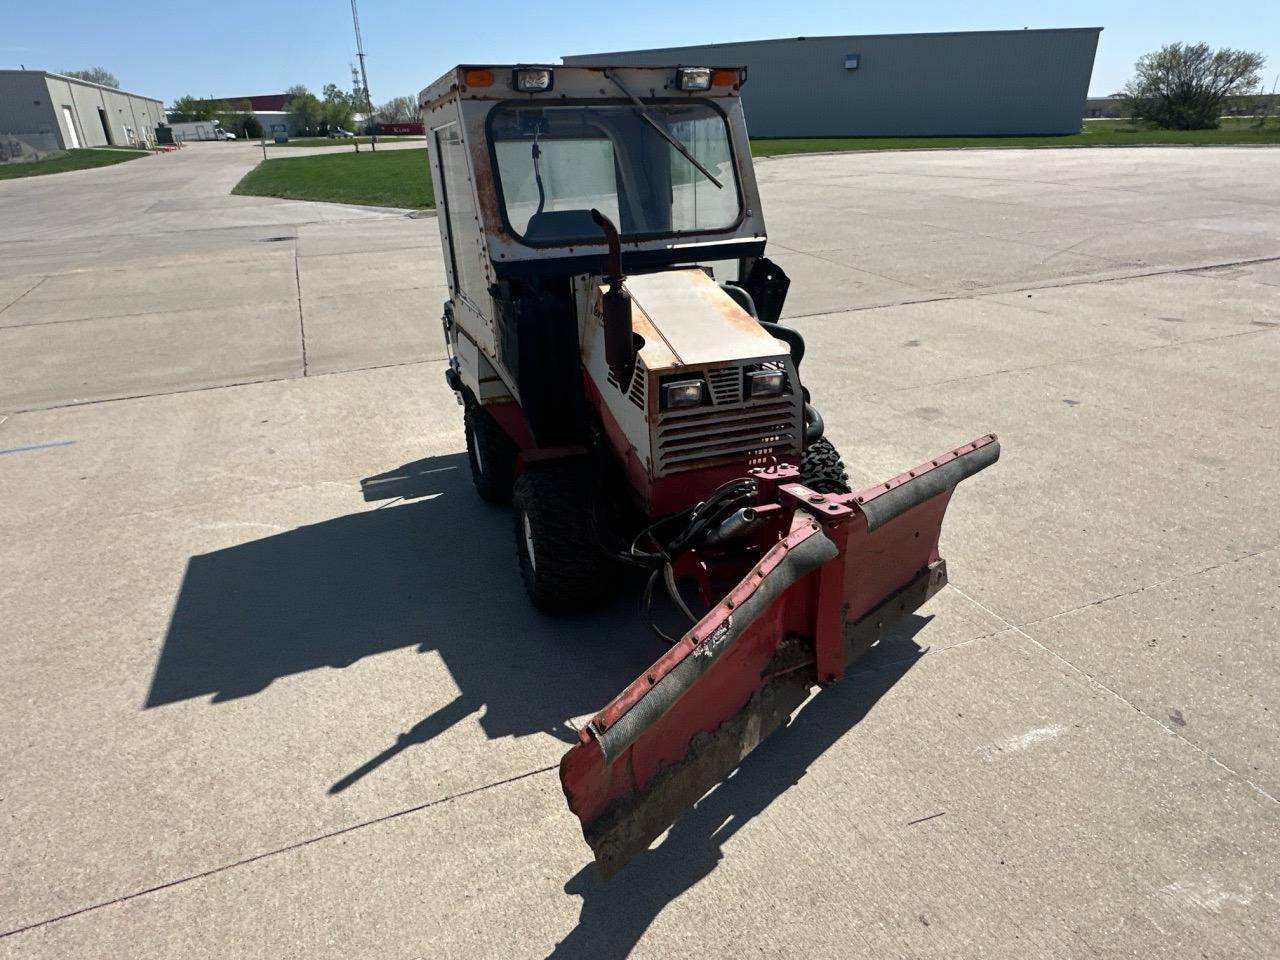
x=687, y=320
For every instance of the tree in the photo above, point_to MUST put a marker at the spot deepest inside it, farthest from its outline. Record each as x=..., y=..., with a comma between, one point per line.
x=304, y=109
x=337, y=110
x=192, y=108
x=1185, y=86
x=94, y=75
x=336, y=114
x=398, y=109
x=333, y=94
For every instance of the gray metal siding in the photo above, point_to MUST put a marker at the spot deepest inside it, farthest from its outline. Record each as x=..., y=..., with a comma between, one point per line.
x=930, y=84
x=31, y=103
x=26, y=113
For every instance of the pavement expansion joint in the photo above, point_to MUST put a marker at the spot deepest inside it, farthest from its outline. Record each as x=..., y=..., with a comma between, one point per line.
x=302, y=325
x=1098, y=683
x=1089, y=358
x=24, y=293
x=1152, y=586
x=1049, y=285
x=227, y=386
x=342, y=831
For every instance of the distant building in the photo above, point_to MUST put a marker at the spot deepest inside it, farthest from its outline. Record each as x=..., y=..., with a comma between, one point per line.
x=42, y=112
x=1249, y=105
x=1253, y=104
x=268, y=108
x=980, y=83
x=264, y=102
x=1098, y=108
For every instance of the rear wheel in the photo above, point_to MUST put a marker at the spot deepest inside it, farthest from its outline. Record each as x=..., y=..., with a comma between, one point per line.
x=491, y=453
x=821, y=468
x=563, y=565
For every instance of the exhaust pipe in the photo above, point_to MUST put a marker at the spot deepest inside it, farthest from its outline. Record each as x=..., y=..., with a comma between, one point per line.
x=619, y=337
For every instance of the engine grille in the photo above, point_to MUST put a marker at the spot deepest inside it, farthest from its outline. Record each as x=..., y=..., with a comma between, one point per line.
x=636, y=393
x=687, y=439
x=726, y=385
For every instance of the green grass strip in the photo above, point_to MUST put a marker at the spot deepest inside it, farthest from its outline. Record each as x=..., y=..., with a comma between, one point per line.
x=71, y=160
x=386, y=178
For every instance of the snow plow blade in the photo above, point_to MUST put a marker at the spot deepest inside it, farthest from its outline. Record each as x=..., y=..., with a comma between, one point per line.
x=835, y=573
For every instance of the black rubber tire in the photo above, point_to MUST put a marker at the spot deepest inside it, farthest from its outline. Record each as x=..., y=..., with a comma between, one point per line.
x=821, y=468
x=562, y=563
x=491, y=453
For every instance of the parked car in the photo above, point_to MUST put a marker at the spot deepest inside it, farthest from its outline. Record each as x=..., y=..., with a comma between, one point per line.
x=339, y=132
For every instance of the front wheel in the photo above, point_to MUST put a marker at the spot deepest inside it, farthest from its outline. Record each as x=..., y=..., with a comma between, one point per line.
x=562, y=563
x=491, y=453
x=821, y=469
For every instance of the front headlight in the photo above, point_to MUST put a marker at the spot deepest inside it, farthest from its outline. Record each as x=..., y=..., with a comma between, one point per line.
x=532, y=81
x=766, y=383
x=681, y=393
x=694, y=78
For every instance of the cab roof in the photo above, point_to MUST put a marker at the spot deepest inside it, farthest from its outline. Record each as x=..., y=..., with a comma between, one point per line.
x=497, y=82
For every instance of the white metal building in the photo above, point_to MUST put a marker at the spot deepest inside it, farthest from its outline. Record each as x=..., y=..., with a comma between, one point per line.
x=42, y=112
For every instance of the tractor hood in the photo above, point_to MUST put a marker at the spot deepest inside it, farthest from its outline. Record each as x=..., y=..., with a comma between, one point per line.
x=686, y=320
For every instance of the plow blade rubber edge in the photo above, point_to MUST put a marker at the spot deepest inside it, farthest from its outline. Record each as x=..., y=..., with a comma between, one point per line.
x=823, y=594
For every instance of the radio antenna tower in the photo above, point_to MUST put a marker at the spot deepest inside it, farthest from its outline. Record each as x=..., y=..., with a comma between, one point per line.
x=364, y=77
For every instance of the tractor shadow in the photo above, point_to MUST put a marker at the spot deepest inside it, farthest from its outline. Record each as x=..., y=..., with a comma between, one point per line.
x=432, y=568
x=615, y=915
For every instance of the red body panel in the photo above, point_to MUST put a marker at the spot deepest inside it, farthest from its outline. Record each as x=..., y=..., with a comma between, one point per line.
x=511, y=419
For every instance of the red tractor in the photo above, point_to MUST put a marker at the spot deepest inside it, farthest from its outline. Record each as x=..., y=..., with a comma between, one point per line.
x=614, y=340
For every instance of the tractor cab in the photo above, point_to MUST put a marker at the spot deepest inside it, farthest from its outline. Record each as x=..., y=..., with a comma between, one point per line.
x=608, y=219
x=661, y=152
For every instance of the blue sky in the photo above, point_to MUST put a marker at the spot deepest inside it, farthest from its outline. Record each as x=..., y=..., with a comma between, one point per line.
x=234, y=47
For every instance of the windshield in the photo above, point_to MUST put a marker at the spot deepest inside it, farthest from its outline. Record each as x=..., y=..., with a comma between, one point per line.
x=555, y=163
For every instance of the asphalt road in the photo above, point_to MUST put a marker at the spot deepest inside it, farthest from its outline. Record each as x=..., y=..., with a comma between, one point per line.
x=248, y=713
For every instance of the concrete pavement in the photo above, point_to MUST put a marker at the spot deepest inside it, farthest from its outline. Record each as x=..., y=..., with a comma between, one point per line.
x=250, y=714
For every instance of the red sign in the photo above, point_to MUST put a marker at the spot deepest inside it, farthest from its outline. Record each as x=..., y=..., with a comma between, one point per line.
x=403, y=127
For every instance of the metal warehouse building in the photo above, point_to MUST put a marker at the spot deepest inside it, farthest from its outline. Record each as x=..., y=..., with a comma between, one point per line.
x=991, y=82
x=43, y=112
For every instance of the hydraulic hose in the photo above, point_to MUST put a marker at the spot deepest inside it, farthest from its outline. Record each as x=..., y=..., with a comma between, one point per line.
x=790, y=337
x=814, y=427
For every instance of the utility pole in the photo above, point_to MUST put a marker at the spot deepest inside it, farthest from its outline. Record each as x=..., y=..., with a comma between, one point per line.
x=356, y=97
x=364, y=78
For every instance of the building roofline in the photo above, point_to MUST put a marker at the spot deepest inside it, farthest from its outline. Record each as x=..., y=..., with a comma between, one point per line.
x=87, y=83
x=840, y=36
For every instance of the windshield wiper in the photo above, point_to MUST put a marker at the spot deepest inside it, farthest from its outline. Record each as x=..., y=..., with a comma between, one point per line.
x=662, y=131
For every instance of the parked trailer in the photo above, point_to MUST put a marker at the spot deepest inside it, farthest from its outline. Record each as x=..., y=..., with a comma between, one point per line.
x=198, y=130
